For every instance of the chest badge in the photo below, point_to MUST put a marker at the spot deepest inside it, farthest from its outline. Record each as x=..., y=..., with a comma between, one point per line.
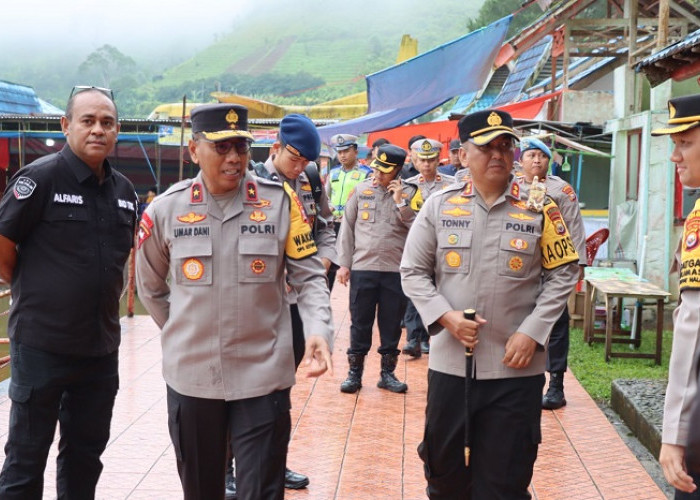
x=258, y=216
x=453, y=259
x=193, y=269
x=515, y=263
x=258, y=266
x=191, y=218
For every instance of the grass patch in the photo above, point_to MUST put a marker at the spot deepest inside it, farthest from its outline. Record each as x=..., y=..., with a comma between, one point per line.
x=587, y=362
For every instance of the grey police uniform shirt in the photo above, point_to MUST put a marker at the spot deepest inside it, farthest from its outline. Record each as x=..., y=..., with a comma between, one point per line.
x=214, y=282
x=682, y=387
x=427, y=188
x=565, y=197
x=374, y=229
x=514, y=266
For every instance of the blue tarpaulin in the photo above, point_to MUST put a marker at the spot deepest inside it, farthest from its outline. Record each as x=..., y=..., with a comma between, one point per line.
x=410, y=89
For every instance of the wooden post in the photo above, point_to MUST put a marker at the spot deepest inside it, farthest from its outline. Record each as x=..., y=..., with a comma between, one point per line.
x=182, y=136
x=662, y=34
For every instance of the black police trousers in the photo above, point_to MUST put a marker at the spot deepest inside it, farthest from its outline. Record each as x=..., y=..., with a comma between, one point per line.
x=79, y=393
x=505, y=436
x=558, y=348
x=258, y=429
x=380, y=293
x=414, y=324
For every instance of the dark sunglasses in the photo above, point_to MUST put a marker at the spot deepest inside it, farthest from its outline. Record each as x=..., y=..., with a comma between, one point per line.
x=82, y=88
x=224, y=147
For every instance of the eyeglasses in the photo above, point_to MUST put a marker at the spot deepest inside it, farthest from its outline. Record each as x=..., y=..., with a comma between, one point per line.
x=83, y=88
x=502, y=147
x=224, y=147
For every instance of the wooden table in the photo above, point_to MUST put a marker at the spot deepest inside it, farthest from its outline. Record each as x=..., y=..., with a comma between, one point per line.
x=614, y=284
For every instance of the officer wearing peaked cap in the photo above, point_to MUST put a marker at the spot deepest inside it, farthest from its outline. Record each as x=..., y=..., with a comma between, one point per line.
x=680, y=439
x=370, y=242
x=215, y=254
x=476, y=245
x=343, y=178
x=428, y=181
x=534, y=160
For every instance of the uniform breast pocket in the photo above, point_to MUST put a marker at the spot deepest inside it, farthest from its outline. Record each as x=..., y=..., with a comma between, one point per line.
x=193, y=261
x=68, y=214
x=258, y=260
x=454, y=251
x=124, y=231
x=516, y=254
x=366, y=211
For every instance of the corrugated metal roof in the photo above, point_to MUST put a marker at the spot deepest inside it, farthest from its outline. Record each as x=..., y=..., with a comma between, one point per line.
x=689, y=41
x=18, y=99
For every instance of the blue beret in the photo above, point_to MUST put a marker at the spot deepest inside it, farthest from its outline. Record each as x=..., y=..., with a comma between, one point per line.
x=298, y=133
x=532, y=143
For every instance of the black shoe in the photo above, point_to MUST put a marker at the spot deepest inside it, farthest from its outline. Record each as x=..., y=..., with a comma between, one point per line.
x=231, y=493
x=412, y=348
x=294, y=480
x=553, y=399
x=425, y=347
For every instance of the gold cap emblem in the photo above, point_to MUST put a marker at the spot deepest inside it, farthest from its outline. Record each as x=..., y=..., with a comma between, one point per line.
x=494, y=119
x=671, y=111
x=426, y=146
x=382, y=157
x=232, y=119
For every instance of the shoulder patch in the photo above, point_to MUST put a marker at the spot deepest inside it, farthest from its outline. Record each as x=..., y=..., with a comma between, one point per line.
x=557, y=247
x=24, y=187
x=300, y=240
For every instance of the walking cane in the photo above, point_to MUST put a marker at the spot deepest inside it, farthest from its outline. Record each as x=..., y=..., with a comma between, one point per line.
x=469, y=358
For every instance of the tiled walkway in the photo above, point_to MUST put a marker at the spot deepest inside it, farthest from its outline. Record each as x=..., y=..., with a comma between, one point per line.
x=353, y=447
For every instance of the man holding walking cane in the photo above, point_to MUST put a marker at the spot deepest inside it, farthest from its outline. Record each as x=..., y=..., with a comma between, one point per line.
x=477, y=245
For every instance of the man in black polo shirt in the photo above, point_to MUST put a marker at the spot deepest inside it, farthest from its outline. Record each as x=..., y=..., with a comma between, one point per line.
x=66, y=228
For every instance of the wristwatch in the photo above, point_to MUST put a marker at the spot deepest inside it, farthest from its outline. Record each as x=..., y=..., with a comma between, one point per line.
x=402, y=204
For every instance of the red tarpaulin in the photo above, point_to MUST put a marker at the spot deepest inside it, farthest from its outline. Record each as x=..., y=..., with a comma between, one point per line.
x=4, y=153
x=446, y=130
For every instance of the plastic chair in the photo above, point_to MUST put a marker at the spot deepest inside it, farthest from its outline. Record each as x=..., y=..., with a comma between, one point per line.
x=593, y=243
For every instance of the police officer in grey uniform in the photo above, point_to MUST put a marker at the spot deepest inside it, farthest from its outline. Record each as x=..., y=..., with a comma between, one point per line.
x=680, y=436
x=477, y=245
x=371, y=239
x=215, y=255
x=298, y=144
x=534, y=160
x=426, y=154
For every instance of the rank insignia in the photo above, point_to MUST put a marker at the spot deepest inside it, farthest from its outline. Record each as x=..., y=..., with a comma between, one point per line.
x=193, y=269
x=191, y=218
x=368, y=192
x=196, y=193
x=251, y=192
x=520, y=216
x=453, y=259
x=515, y=190
x=145, y=227
x=261, y=203
x=453, y=239
x=535, y=199
x=468, y=189
x=258, y=266
x=365, y=215
x=457, y=212
x=515, y=263
x=518, y=243
x=438, y=178
x=258, y=216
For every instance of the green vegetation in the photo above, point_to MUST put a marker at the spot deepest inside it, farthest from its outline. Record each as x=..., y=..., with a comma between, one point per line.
x=587, y=362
